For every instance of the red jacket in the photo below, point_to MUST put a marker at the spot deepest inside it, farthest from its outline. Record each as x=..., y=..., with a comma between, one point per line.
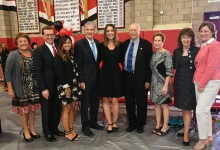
x=207, y=63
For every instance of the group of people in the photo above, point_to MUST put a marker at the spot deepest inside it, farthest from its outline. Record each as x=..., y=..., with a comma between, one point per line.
x=54, y=78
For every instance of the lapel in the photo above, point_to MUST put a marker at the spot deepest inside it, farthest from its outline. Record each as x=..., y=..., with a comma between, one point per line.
x=140, y=48
x=87, y=45
x=47, y=51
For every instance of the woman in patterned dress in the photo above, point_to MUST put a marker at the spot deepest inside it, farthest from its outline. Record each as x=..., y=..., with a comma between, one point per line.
x=184, y=88
x=162, y=70
x=22, y=85
x=68, y=86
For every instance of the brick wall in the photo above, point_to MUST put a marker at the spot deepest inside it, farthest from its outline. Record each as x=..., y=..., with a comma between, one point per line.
x=144, y=12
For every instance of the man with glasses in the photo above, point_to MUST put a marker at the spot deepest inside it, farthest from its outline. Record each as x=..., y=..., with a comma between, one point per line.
x=46, y=78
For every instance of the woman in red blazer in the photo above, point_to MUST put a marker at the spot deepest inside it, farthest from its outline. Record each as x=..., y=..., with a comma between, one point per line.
x=207, y=81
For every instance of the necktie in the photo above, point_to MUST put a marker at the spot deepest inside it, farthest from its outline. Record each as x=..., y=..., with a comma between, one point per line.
x=129, y=59
x=93, y=49
x=54, y=50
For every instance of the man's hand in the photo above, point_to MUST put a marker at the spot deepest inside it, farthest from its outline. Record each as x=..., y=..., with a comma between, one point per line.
x=67, y=92
x=147, y=85
x=45, y=94
x=83, y=85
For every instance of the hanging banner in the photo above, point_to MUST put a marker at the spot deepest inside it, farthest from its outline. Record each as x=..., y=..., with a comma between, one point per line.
x=110, y=12
x=68, y=11
x=28, y=17
x=211, y=1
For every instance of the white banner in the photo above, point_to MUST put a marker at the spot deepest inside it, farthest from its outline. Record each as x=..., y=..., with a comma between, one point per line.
x=211, y=1
x=28, y=17
x=68, y=11
x=110, y=12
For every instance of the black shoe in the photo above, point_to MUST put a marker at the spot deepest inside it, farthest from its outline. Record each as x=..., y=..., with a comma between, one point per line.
x=185, y=143
x=115, y=128
x=27, y=140
x=75, y=138
x=37, y=136
x=180, y=134
x=109, y=131
x=58, y=133
x=97, y=127
x=50, y=138
x=155, y=130
x=161, y=133
x=140, y=130
x=88, y=132
x=130, y=128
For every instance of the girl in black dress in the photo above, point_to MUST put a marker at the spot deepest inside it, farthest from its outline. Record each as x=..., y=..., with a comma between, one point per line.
x=68, y=84
x=184, y=89
x=110, y=82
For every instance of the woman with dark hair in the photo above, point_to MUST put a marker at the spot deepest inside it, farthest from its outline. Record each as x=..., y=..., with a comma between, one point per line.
x=66, y=68
x=4, y=56
x=162, y=70
x=22, y=85
x=110, y=82
x=207, y=81
x=184, y=89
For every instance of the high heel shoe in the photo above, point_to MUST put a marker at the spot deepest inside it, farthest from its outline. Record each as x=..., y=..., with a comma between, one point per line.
x=71, y=130
x=211, y=141
x=27, y=140
x=109, y=131
x=185, y=143
x=161, y=133
x=75, y=138
x=37, y=136
x=115, y=128
x=201, y=144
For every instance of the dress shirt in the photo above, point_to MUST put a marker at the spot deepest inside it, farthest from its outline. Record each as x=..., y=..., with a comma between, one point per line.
x=136, y=44
x=90, y=44
x=50, y=47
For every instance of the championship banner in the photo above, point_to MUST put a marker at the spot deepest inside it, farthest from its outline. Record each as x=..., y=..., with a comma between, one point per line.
x=27, y=13
x=68, y=11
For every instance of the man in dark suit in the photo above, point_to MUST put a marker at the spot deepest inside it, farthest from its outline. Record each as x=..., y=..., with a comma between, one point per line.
x=47, y=82
x=87, y=55
x=136, y=54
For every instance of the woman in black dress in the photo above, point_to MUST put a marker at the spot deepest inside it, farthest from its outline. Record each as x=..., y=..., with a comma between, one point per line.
x=110, y=82
x=68, y=84
x=184, y=89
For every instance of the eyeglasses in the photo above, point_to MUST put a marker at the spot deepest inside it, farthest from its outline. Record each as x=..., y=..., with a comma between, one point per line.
x=49, y=35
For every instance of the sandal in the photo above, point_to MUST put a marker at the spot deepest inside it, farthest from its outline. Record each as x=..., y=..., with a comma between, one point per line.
x=69, y=132
x=155, y=130
x=161, y=133
x=109, y=131
x=115, y=128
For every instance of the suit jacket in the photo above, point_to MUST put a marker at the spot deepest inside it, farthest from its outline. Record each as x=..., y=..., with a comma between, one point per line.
x=142, y=64
x=88, y=66
x=44, y=66
x=207, y=64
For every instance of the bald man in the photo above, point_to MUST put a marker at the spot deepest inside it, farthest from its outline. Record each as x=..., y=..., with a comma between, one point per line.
x=137, y=54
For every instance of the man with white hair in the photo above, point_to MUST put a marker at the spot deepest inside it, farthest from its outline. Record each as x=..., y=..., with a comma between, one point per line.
x=137, y=54
x=87, y=55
